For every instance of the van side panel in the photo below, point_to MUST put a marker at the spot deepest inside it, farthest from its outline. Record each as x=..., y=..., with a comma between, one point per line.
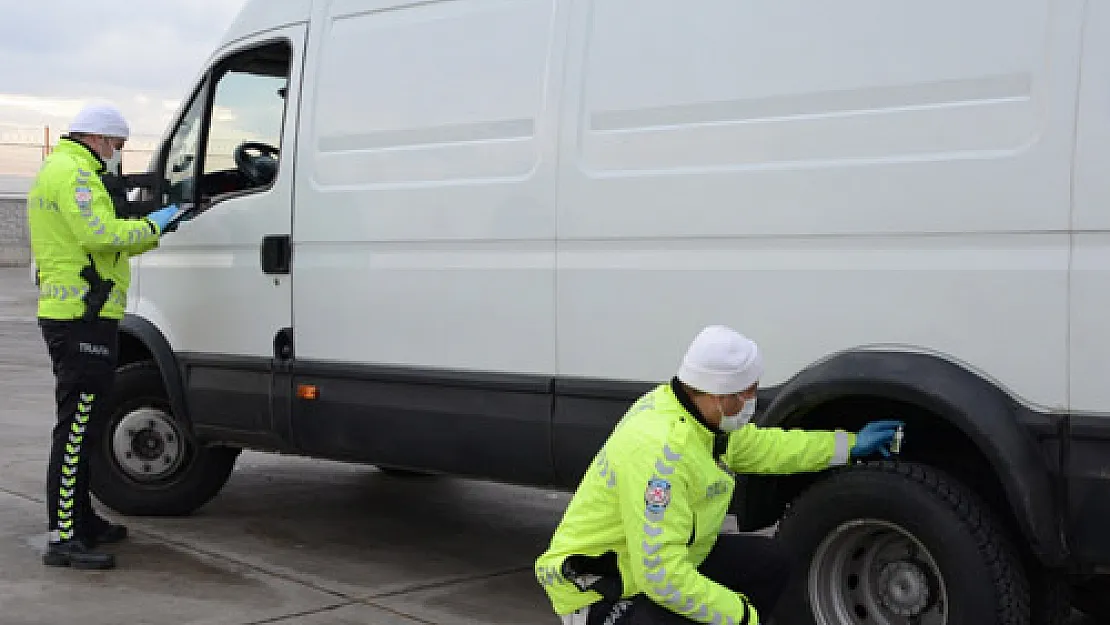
x=424, y=228
x=820, y=182
x=1090, y=280
x=424, y=218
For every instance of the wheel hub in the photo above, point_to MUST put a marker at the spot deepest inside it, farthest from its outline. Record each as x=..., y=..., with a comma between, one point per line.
x=147, y=445
x=904, y=588
x=874, y=572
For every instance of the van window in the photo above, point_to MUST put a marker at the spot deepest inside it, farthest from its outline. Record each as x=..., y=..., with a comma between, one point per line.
x=182, y=154
x=237, y=128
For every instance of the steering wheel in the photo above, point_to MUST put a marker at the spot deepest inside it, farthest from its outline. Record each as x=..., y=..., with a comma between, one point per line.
x=259, y=169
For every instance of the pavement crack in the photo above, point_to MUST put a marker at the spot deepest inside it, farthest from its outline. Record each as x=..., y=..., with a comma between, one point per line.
x=23, y=496
x=184, y=546
x=463, y=579
x=410, y=617
x=372, y=600
x=247, y=565
x=302, y=614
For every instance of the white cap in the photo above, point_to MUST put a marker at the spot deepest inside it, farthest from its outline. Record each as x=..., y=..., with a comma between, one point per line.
x=721, y=361
x=100, y=119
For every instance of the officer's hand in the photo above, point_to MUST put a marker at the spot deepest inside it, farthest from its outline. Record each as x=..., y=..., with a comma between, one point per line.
x=162, y=216
x=875, y=437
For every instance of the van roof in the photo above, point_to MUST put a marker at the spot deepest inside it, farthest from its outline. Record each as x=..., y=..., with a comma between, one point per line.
x=261, y=15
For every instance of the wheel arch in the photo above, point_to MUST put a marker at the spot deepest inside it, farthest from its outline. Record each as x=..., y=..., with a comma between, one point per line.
x=141, y=340
x=956, y=420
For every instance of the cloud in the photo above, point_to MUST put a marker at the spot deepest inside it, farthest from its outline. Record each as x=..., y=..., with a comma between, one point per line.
x=142, y=55
x=53, y=107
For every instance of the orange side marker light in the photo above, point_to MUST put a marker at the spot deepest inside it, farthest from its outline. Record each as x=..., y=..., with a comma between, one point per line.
x=307, y=391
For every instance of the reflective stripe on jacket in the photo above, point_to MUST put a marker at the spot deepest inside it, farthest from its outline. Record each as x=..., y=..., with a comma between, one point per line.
x=71, y=218
x=656, y=498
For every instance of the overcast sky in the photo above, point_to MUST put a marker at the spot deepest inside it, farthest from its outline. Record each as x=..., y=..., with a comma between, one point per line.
x=141, y=54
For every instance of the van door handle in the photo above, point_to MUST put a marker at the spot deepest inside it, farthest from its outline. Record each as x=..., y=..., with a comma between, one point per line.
x=277, y=254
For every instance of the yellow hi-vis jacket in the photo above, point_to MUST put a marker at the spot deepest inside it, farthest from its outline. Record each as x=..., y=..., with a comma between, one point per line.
x=655, y=496
x=72, y=219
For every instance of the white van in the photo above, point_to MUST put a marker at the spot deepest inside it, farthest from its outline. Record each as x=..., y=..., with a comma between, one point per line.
x=461, y=236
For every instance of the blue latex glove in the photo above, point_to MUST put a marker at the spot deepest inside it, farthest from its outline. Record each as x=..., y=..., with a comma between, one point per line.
x=162, y=216
x=875, y=437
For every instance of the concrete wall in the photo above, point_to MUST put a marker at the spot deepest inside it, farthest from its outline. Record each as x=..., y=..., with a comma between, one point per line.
x=15, y=246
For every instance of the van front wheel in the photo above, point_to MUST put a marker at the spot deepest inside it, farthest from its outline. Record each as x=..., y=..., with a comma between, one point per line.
x=896, y=543
x=145, y=463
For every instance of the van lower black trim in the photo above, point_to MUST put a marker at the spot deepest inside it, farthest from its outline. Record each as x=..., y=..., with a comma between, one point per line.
x=509, y=382
x=492, y=426
x=1087, y=479
x=228, y=392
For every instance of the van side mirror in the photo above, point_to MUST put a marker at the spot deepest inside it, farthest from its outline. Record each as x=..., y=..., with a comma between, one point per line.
x=134, y=195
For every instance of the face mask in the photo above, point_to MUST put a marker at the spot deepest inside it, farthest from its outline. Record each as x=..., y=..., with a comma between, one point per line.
x=730, y=423
x=114, y=164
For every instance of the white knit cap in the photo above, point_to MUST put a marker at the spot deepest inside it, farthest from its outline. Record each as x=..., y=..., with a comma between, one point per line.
x=100, y=119
x=721, y=361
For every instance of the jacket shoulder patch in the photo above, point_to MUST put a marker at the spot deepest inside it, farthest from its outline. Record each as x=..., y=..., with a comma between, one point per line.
x=656, y=498
x=83, y=195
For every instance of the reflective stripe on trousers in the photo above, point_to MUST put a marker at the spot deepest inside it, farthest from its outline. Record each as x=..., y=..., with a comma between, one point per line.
x=67, y=491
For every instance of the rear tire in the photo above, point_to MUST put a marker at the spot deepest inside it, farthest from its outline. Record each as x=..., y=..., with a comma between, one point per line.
x=883, y=543
x=144, y=463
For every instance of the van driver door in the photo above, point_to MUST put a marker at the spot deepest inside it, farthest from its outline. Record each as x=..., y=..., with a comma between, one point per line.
x=219, y=286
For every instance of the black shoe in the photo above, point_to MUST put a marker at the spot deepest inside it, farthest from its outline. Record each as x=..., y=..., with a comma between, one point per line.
x=103, y=533
x=77, y=554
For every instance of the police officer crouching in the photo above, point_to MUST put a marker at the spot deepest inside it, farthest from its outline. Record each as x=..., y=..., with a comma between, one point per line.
x=82, y=253
x=640, y=541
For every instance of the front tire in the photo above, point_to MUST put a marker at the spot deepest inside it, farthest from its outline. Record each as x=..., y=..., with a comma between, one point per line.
x=897, y=543
x=144, y=463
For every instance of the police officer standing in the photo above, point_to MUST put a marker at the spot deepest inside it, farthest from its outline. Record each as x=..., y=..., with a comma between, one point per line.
x=640, y=541
x=82, y=250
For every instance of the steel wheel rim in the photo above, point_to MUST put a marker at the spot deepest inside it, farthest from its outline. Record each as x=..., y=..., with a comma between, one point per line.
x=147, y=445
x=873, y=572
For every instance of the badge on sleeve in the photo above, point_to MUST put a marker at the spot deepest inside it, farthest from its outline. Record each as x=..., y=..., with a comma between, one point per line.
x=83, y=196
x=657, y=497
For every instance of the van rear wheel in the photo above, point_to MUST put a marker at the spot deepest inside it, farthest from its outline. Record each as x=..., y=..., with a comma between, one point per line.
x=898, y=543
x=144, y=462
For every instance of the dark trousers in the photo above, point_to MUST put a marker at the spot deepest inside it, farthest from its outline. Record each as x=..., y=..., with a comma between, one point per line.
x=84, y=355
x=754, y=566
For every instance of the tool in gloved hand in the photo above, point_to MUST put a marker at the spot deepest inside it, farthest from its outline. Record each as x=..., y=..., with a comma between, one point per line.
x=896, y=444
x=877, y=436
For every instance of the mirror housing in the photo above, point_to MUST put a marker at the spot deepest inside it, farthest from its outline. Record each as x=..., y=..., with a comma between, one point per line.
x=134, y=195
